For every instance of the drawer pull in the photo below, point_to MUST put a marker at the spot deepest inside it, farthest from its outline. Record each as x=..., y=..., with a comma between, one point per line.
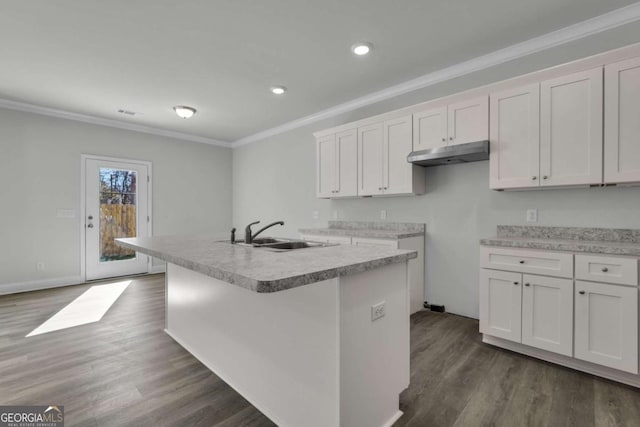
x=605, y=269
x=527, y=284
x=521, y=261
x=581, y=292
x=515, y=283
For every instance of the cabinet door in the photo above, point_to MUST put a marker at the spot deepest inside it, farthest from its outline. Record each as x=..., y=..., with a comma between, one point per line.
x=370, y=159
x=571, y=129
x=547, y=313
x=346, y=164
x=326, y=166
x=606, y=330
x=468, y=121
x=501, y=304
x=430, y=128
x=622, y=122
x=397, y=172
x=514, y=159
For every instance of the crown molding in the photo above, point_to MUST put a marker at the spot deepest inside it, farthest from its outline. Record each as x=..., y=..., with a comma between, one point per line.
x=564, y=35
x=52, y=112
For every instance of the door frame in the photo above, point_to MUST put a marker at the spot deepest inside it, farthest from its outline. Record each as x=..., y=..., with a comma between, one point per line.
x=83, y=204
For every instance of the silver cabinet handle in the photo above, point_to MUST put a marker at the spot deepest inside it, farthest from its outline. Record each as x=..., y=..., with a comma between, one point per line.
x=386, y=188
x=444, y=139
x=521, y=261
x=527, y=284
x=450, y=138
x=515, y=283
x=89, y=225
x=545, y=177
x=581, y=292
x=533, y=178
x=605, y=269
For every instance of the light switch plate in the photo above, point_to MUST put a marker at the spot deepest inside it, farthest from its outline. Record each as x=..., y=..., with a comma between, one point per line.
x=532, y=215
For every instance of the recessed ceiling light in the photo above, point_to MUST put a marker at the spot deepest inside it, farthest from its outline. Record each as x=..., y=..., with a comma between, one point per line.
x=278, y=90
x=184, y=111
x=361, y=48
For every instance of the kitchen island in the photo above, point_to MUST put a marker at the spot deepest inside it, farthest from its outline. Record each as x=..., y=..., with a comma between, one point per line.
x=293, y=331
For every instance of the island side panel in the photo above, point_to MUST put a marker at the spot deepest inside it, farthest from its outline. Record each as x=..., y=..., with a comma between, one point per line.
x=278, y=350
x=374, y=355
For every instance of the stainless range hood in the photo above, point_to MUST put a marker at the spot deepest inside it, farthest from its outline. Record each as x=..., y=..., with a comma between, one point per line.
x=460, y=153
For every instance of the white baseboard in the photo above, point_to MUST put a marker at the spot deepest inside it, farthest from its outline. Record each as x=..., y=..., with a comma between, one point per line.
x=35, y=285
x=569, y=362
x=393, y=419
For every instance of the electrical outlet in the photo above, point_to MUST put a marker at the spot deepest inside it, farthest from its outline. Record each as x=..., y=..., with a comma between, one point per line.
x=383, y=214
x=532, y=215
x=316, y=215
x=40, y=266
x=378, y=310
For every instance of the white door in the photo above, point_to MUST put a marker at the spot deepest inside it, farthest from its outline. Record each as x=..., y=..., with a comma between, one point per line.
x=547, y=313
x=501, y=304
x=347, y=164
x=622, y=122
x=571, y=129
x=606, y=330
x=116, y=205
x=398, y=140
x=514, y=159
x=326, y=166
x=430, y=128
x=468, y=121
x=370, y=159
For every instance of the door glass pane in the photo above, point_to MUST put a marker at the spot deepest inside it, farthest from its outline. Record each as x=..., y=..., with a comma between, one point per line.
x=118, y=216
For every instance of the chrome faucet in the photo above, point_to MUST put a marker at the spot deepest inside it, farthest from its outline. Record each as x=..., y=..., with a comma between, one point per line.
x=248, y=237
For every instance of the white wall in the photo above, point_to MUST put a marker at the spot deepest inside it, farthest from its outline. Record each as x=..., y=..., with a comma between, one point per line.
x=40, y=173
x=275, y=179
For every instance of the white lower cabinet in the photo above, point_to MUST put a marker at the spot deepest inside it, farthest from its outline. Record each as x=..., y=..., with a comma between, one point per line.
x=579, y=317
x=606, y=329
x=547, y=313
x=501, y=304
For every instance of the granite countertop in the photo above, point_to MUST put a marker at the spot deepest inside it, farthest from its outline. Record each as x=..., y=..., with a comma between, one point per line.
x=569, y=239
x=262, y=270
x=374, y=230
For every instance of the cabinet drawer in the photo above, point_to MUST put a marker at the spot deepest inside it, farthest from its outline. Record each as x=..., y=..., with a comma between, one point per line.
x=364, y=241
x=597, y=268
x=525, y=261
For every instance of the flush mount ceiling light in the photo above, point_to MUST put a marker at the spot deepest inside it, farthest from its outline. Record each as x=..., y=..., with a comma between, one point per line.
x=184, y=111
x=361, y=48
x=278, y=90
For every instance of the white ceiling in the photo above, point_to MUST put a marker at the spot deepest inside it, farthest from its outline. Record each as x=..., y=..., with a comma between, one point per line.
x=221, y=56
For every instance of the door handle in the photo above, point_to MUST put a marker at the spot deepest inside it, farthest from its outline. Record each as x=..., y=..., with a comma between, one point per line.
x=89, y=225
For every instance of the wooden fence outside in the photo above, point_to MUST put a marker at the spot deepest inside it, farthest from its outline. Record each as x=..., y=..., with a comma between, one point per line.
x=116, y=221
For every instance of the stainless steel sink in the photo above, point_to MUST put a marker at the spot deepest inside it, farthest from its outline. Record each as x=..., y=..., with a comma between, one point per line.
x=282, y=245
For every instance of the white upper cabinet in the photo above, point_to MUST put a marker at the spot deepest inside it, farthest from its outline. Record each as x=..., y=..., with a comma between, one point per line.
x=571, y=129
x=370, y=159
x=397, y=172
x=382, y=159
x=622, y=122
x=326, y=166
x=514, y=158
x=337, y=165
x=430, y=128
x=347, y=164
x=465, y=121
x=468, y=121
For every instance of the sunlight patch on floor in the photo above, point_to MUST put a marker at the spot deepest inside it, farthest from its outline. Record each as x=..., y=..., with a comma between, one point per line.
x=89, y=307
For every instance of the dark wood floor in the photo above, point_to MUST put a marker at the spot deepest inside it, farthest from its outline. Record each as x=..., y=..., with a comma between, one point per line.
x=125, y=371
